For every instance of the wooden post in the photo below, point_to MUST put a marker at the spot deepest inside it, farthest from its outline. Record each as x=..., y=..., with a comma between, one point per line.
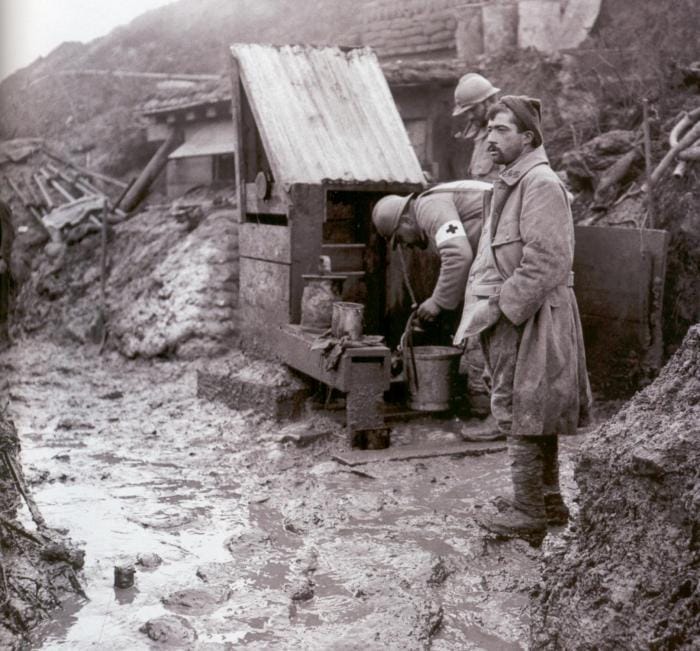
x=103, y=275
x=123, y=194
x=18, y=192
x=44, y=191
x=648, y=163
x=149, y=173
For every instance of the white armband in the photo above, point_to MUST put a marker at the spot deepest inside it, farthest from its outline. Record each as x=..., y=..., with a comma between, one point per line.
x=449, y=230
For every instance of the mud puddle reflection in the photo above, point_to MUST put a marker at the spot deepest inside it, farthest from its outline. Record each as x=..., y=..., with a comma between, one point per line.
x=263, y=545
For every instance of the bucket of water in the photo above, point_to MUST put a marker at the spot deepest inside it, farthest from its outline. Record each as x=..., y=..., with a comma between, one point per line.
x=432, y=379
x=346, y=320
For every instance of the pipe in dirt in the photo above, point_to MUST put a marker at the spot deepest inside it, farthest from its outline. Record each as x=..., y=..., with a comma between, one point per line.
x=688, y=139
x=692, y=152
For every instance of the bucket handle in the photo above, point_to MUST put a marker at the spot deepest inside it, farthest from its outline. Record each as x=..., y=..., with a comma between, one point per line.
x=406, y=344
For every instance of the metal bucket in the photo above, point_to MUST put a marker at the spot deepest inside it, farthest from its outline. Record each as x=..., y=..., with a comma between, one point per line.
x=430, y=383
x=347, y=320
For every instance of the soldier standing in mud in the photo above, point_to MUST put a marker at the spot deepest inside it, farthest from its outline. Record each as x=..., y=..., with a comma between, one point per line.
x=520, y=301
x=6, y=281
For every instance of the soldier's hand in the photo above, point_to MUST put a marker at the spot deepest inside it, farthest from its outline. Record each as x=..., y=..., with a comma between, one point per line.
x=428, y=310
x=3, y=266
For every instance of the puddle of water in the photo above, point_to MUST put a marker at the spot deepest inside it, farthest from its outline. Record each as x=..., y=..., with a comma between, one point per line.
x=98, y=518
x=216, y=503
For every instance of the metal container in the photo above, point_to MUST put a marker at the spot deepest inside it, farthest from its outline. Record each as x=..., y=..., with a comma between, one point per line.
x=347, y=320
x=124, y=575
x=431, y=380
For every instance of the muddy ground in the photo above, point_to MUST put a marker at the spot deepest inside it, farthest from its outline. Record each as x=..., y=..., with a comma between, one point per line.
x=260, y=544
x=630, y=578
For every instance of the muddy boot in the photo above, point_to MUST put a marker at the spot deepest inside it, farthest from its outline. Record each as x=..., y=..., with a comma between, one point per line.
x=556, y=510
x=524, y=515
x=484, y=432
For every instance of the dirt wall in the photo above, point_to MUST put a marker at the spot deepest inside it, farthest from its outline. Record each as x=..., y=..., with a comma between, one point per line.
x=171, y=289
x=629, y=577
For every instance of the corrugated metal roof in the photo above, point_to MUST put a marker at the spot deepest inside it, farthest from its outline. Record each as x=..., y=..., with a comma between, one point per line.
x=326, y=115
x=207, y=140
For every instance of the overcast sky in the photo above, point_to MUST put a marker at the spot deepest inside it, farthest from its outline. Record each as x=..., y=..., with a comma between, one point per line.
x=32, y=28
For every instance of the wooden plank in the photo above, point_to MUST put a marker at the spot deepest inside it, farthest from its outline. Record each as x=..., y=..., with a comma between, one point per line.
x=293, y=345
x=82, y=170
x=264, y=292
x=237, y=117
x=408, y=452
x=659, y=252
x=306, y=215
x=265, y=242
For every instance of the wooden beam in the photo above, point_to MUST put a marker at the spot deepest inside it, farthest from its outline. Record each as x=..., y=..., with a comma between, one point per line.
x=44, y=191
x=83, y=170
x=150, y=172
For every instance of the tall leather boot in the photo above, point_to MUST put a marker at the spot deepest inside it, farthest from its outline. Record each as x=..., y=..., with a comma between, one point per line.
x=556, y=510
x=523, y=516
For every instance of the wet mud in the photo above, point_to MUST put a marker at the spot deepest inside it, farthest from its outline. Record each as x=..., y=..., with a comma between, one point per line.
x=241, y=539
x=629, y=577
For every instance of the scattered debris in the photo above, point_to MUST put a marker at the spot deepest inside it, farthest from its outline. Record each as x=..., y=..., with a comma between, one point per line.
x=37, y=568
x=170, y=630
x=302, y=590
x=197, y=600
x=57, y=195
x=149, y=561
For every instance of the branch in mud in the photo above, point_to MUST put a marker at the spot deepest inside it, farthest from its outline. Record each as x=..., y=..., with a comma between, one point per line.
x=5, y=587
x=19, y=529
x=22, y=488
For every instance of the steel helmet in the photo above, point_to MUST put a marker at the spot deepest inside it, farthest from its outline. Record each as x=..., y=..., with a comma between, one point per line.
x=387, y=213
x=472, y=89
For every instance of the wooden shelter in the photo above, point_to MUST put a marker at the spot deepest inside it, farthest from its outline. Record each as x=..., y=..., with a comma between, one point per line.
x=319, y=141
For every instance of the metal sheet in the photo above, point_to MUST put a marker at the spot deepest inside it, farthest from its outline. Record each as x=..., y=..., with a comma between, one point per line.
x=619, y=280
x=207, y=140
x=326, y=115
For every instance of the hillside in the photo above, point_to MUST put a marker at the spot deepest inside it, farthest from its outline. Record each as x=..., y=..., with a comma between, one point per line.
x=96, y=113
x=635, y=50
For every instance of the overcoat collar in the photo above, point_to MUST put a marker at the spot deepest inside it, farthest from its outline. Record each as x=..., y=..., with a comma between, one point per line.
x=511, y=175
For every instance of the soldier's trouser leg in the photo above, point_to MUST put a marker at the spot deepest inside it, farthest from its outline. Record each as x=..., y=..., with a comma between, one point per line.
x=500, y=347
x=556, y=509
x=478, y=397
x=526, y=471
x=550, y=461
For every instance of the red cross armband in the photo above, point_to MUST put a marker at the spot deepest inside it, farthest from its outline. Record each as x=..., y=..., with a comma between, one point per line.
x=448, y=231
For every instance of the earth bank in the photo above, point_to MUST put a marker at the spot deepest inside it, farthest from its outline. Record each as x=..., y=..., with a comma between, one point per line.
x=630, y=576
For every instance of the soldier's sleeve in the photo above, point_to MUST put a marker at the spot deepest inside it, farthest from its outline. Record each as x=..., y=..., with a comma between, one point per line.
x=438, y=218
